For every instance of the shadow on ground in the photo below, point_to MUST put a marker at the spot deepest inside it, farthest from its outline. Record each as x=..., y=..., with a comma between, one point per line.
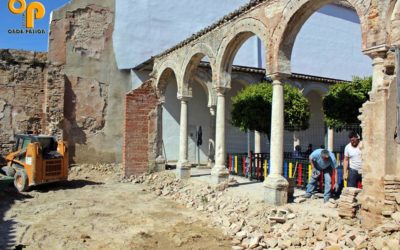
x=8, y=197
x=64, y=185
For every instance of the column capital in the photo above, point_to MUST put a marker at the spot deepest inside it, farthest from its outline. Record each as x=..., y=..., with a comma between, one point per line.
x=221, y=90
x=183, y=97
x=278, y=77
x=375, y=52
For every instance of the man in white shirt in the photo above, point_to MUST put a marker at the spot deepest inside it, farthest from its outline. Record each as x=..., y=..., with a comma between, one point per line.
x=352, y=157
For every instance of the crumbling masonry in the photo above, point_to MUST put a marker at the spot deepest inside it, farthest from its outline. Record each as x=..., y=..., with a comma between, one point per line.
x=277, y=23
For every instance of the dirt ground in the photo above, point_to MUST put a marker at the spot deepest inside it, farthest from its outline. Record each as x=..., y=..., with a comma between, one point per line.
x=93, y=210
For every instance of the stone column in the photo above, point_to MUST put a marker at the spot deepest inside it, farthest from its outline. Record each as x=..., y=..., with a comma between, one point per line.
x=155, y=133
x=219, y=173
x=296, y=139
x=377, y=142
x=330, y=139
x=276, y=186
x=378, y=64
x=257, y=142
x=183, y=166
x=211, y=140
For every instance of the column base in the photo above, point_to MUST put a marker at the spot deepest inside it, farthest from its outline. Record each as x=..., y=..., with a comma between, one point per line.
x=219, y=174
x=160, y=164
x=203, y=166
x=209, y=165
x=276, y=190
x=183, y=170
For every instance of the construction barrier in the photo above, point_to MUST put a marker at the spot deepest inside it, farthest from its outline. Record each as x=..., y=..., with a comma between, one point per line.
x=257, y=167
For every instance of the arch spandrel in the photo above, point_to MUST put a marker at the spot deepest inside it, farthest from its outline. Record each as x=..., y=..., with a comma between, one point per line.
x=236, y=35
x=295, y=14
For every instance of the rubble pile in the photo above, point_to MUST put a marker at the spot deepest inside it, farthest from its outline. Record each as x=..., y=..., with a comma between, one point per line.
x=255, y=225
x=97, y=172
x=348, y=205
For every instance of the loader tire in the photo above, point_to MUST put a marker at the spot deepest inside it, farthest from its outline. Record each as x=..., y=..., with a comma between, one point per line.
x=9, y=171
x=21, y=181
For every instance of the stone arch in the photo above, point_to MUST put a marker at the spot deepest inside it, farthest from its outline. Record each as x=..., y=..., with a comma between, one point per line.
x=295, y=14
x=207, y=86
x=246, y=79
x=240, y=32
x=166, y=70
x=191, y=63
x=319, y=88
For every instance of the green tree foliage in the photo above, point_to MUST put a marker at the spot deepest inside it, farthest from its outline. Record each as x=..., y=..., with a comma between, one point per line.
x=342, y=103
x=252, y=108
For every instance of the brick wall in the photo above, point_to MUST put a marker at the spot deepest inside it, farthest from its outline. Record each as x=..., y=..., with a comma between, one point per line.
x=140, y=107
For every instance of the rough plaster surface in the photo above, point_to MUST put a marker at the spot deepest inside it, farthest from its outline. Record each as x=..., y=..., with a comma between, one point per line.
x=87, y=102
x=80, y=42
x=88, y=30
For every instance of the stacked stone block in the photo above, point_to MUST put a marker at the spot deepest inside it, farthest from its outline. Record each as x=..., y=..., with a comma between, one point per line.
x=392, y=195
x=348, y=205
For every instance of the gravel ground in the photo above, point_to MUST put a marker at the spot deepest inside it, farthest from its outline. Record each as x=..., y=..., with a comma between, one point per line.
x=94, y=210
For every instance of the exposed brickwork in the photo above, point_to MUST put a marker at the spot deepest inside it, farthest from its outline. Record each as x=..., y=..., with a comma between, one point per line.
x=139, y=128
x=22, y=84
x=54, y=101
x=89, y=29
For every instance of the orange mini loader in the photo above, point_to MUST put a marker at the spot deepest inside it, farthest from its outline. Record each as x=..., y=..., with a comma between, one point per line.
x=37, y=159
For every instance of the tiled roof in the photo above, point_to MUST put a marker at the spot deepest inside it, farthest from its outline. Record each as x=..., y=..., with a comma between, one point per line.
x=227, y=18
x=293, y=75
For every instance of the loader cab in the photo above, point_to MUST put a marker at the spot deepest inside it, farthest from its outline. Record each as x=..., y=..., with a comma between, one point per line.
x=48, y=144
x=21, y=143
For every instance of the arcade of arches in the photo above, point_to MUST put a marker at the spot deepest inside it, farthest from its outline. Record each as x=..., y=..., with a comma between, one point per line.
x=277, y=23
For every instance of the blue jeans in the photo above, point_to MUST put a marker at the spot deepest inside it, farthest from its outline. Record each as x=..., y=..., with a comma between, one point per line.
x=312, y=185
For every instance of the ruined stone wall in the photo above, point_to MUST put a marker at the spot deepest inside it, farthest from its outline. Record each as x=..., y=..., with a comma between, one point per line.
x=80, y=45
x=22, y=94
x=380, y=161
